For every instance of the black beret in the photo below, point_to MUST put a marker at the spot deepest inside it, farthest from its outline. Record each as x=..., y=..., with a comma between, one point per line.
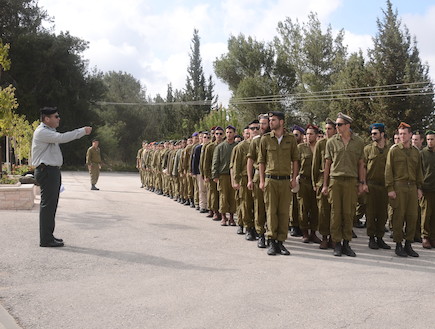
x=277, y=114
x=48, y=110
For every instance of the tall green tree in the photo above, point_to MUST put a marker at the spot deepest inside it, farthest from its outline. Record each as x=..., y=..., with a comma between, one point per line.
x=316, y=57
x=254, y=72
x=196, y=89
x=394, y=60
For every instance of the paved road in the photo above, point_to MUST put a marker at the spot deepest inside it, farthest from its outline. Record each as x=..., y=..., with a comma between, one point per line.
x=133, y=259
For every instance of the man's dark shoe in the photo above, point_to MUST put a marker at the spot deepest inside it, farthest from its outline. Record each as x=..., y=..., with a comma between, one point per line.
x=58, y=240
x=210, y=214
x=240, y=230
x=295, y=231
x=418, y=239
x=399, y=250
x=409, y=251
x=337, y=249
x=250, y=234
x=272, y=248
x=261, y=242
x=372, y=243
x=282, y=249
x=203, y=211
x=52, y=244
x=426, y=244
x=347, y=250
x=94, y=188
x=187, y=202
x=324, y=243
x=359, y=224
x=382, y=244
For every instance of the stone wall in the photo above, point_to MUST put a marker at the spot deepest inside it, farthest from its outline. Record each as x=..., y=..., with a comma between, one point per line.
x=17, y=197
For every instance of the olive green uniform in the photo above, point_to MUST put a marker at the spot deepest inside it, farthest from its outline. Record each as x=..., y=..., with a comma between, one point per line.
x=212, y=191
x=427, y=203
x=93, y=160
x=403, y=174
x=317, y=169
x=141, y=170
x=258, y=194
x=221, y=170
x=343, y=185
x=241, y=177
x=277, y=158
x=308, y=212
x=375, y=159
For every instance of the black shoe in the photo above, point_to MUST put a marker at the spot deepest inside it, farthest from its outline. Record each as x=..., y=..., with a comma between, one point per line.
x=240, y=230
x=58, y=240
x=337, y=249
x=408, y=249
x=418, y=239
x=399, y=250
x=94, y=188
x=381, y=244
x=197, y=208
x=186, y=203
x=283, y=250
x=272, y=248
x=192, y=205
x=354, y=236
x=250, y=234
x=52, y=244
x=347, y=250
x=261, y=242
x=295, y=231
x=203, y=211
x=372, y=243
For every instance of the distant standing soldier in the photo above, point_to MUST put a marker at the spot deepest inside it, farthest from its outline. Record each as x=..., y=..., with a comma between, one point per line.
x=427, y=202
x=404, y=178
x=139, y=164
x=93, y=161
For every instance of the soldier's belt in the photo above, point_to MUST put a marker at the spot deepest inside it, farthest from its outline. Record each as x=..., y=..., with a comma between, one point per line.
x=404, y=183
x=278, y=177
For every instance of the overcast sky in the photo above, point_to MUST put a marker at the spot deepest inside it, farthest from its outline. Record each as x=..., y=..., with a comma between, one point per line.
x=151, y=39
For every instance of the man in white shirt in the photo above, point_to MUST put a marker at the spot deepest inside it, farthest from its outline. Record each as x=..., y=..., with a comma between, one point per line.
x=47, y=158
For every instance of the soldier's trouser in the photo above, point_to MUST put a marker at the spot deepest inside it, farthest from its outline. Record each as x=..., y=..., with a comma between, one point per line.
x=343, y=197
x=259, y=208
x=277, y=198
x=94, y=172
x=49, y=179
x=227, y=199
x=183, y=187
x=418, y=224
x=142, y=176
x=195, y=189
x=308, y=212
x=324, y=212
x=202, y=192
x=190, y=187
x=405, y=210
x=427, y=204
x=176, y=186
x=376, y=210
x=213, y=195
x=239, y=201
x=294, y=210
x=247, y=204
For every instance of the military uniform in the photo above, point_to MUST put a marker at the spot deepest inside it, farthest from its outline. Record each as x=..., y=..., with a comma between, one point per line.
x=377, y=198
x=343, y=193
x=213, y=193
x=93, y=161
x=221, y=170
x=427, y=202
x=277, y=158
x=258, y=194
x=323, y=205
x=308, y=218
x=403, y=175
x=241, y=177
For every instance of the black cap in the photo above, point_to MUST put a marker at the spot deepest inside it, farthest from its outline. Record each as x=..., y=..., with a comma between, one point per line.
x=48, y=110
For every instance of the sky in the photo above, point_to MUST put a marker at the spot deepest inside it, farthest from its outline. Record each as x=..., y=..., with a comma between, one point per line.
x=151, y=39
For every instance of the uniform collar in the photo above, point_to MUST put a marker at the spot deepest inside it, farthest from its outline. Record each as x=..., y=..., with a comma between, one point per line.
x=48, y=127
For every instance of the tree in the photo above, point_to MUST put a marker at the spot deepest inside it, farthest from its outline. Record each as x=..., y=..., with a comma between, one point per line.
x=196, y=89
x=397, y=69
x=316, y=58
x=253, y=72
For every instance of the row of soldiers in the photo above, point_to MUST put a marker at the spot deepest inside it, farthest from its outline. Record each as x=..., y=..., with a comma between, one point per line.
x=308, y=178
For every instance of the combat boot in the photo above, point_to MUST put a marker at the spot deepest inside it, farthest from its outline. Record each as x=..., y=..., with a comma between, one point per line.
x=324, y=243
x=272, y=248
x=372, y=243
x=347, y=250
x=337, y=249
x=305, y=238
x=282, y=249
x=399, y=250
x=381, y=244
x=408, y=249
x=261, y=242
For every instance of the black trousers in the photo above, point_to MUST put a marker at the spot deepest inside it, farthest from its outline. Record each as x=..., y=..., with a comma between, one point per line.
x=49, y=179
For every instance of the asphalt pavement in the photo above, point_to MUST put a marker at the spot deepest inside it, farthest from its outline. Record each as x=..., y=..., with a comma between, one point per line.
x=133, y=259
